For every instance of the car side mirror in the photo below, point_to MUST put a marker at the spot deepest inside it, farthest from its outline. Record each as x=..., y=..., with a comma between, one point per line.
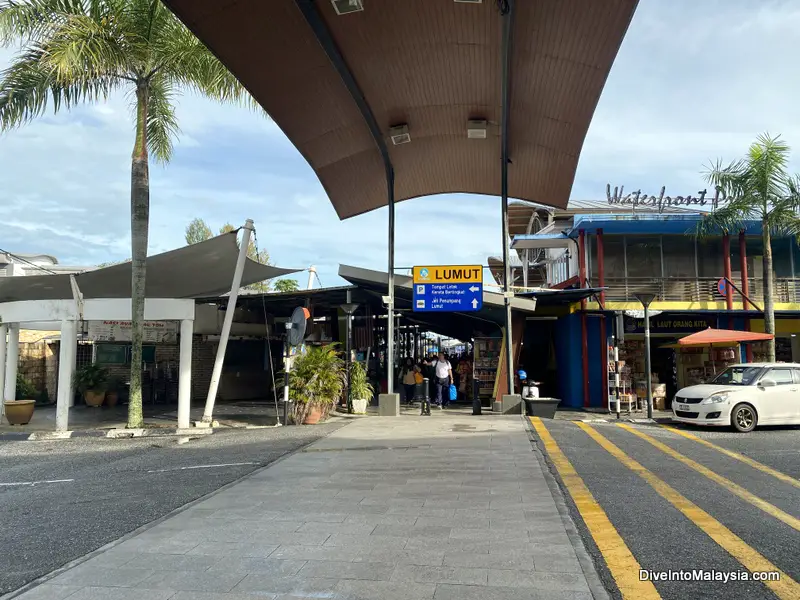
x=767, y=382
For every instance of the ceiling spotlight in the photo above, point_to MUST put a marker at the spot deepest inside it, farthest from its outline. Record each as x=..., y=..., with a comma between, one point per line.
x=399, y=134
x=476, y=129
x=344, y=7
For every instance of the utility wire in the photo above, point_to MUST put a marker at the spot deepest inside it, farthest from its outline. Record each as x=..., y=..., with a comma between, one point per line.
x=269, y=338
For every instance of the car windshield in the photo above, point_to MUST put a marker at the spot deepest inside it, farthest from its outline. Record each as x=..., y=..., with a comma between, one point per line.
x=737, y=376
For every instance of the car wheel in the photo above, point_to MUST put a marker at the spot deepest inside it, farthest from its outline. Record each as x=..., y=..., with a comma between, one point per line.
x=744, y=418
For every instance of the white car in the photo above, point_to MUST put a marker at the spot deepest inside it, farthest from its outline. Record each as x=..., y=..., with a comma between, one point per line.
x=743, y=396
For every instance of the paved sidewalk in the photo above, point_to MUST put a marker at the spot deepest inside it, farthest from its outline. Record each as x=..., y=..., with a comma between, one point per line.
x=451, y=507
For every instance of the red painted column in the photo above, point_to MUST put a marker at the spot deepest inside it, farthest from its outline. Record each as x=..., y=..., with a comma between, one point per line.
x=726, y=264
x=582, y=262
x=584, y=331
x=745, y=287
x=601, y=269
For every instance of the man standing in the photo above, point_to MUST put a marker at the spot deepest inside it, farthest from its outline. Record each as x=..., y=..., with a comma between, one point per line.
x=444, y=378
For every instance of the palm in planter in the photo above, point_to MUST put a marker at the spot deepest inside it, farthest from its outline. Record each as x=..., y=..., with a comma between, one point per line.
x=91, y=382
x=316, y=382
x=361, y=391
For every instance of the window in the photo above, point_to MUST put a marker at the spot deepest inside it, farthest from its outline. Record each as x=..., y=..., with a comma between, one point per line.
x=644, y=256
x=737, y=376
x=780, y=376
x=678, y=256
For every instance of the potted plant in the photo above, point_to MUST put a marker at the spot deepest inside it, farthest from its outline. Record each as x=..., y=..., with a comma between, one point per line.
x=112, y=393
x=316, y=381
x=20, y=410
x=361, y=391
x=91, y=382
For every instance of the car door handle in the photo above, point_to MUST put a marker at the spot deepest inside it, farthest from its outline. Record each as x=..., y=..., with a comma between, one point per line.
x=793, y=390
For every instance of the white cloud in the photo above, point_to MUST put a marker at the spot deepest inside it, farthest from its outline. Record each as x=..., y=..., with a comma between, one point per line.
x=694, y=81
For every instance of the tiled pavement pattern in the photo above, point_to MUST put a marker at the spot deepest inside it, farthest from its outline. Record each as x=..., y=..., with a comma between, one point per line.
x=408, y=508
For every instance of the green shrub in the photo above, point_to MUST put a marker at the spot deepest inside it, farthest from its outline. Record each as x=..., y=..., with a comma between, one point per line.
x=91, y=377
x=25, y=389
x=317, y=379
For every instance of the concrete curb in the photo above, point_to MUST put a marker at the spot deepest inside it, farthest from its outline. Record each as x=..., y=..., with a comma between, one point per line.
x=596, y=586
x=114, y=434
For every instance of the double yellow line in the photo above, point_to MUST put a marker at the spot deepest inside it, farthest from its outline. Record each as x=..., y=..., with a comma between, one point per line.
x=785, y=588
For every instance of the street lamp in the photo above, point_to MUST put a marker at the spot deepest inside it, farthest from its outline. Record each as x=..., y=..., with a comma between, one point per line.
x=646, y=299
x=348, y=308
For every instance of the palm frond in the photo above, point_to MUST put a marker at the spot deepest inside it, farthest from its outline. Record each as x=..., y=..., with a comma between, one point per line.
x=26, y=88
x=31, y=20
x=162, y=125
x=82, y=48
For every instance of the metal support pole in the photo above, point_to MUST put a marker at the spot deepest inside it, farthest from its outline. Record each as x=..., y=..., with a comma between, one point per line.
x=3, y=346
x=286, y=366
x=390, y=308
x=349, y=351
x=506, y=99
x=227, y=322
x=647, y=367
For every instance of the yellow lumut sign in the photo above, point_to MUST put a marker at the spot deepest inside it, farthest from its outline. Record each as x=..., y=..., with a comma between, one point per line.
x=449, y=274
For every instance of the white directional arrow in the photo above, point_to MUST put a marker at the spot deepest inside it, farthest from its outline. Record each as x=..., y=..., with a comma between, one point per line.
x=474, y=303
x=474, y=288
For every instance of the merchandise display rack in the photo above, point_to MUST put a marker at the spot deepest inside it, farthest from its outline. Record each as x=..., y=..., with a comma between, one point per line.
x=620, y=387
x=485, y=363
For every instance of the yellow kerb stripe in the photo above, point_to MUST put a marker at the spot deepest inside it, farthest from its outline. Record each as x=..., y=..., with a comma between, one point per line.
x=732, y=487
x=740, y=457
x=621, y=562
x=785, y=588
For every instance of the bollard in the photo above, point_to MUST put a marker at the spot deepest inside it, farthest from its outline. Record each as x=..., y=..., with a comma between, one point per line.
x=425, y=400
x=476, y=399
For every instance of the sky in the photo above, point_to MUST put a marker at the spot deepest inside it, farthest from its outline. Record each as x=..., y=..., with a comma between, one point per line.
x=694, y=81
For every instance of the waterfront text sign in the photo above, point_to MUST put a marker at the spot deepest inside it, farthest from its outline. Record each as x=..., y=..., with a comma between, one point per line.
x=448, y=288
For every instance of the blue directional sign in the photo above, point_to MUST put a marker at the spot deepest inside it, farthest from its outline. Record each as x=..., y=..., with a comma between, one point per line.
x=448, y=288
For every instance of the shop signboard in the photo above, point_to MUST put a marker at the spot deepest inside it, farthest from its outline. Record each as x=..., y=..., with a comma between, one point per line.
x=155, y=332
x=666, y=324
x=448, y=288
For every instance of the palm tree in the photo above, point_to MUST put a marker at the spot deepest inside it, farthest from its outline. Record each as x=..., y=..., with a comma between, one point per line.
x=80, y=51
x=758, y=188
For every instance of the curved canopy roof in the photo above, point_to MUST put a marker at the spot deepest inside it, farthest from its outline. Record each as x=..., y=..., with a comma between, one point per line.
x=430, y=64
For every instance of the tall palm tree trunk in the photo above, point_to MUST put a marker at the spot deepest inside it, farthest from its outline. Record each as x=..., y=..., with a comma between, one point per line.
x=140, y=216
x=769, y=300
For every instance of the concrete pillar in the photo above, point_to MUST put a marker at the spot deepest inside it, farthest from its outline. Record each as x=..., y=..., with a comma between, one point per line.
x=66, y=369
x=3, y=346
x=12, y=362
x=185, y=374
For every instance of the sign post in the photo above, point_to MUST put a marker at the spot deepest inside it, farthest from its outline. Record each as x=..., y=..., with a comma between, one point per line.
x=449, y=288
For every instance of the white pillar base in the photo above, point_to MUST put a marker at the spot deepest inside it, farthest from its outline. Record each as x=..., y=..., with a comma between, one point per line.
x=66, y=368
x=12, y=362
x=185, y=374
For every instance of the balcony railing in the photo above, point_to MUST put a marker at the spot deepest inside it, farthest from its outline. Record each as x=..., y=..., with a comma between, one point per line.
x=674, y=289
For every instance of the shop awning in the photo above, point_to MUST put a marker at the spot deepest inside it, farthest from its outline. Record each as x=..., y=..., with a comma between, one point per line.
x=540, y=240
x=712, y=336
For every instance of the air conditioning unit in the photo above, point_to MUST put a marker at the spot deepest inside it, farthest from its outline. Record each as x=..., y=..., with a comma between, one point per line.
x=476, y=129
x=400, y=135
x=344, y=7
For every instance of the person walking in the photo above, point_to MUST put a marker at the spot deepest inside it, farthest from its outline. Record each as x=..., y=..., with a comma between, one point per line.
x=443, y=371
x=409, y=382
